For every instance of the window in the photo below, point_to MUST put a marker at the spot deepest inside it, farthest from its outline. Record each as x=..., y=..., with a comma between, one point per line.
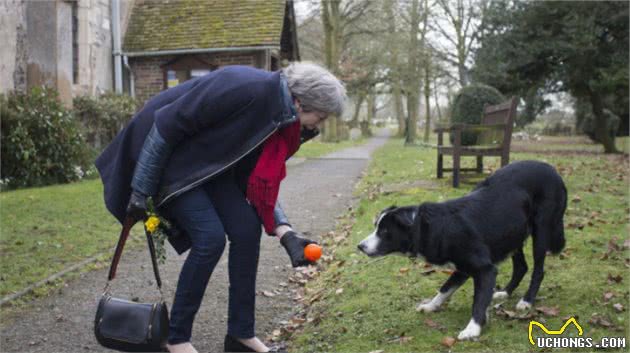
x=183, y=69
x=198, y=72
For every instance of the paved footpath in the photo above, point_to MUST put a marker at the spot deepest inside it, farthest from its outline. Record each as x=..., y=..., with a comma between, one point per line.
x=314, y=194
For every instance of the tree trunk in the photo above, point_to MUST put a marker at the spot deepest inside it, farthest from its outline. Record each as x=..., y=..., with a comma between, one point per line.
x=427, y=73
x=437, y=103
x=365, y=125
x=400, y=113
x=461, y=44
x=395, y=67
x=357, y=109
x=427, y=100
x=601, y=125
x=332, y=35
x=412, y=76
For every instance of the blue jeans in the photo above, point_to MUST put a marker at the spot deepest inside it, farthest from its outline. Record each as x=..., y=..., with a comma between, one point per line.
x=207, y=213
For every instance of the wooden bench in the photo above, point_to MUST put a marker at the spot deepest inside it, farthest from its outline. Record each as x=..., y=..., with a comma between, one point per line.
x=494, y=137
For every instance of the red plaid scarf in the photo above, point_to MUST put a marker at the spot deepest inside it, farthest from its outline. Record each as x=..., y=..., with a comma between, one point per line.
x=264, y=182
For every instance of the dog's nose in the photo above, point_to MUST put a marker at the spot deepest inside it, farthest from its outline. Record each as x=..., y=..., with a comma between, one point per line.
x=361, y=247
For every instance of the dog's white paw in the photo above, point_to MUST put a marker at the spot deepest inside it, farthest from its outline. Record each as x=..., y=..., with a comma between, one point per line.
x=523, y=305
x=472, y=331
x=427, y=307
x=500, y=295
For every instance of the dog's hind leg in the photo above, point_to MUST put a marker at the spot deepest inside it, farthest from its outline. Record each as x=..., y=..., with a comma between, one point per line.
x=538, y=274
x=448, y=288
x=484, y=280
x=519, y=269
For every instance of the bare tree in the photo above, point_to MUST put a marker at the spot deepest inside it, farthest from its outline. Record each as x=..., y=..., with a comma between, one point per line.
x=457, y=22
x=342, y=21
x=395, y=68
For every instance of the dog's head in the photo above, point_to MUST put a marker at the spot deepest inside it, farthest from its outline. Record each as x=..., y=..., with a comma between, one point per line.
x=393, y=234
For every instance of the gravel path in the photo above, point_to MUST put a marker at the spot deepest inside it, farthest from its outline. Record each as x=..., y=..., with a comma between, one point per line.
x=314, y=194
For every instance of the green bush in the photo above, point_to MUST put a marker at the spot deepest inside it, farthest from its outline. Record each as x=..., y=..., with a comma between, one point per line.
x=468, y=106
x=103, y=117
x=41, y=140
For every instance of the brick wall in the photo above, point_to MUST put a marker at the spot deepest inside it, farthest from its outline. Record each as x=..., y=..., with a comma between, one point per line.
x=149, y=77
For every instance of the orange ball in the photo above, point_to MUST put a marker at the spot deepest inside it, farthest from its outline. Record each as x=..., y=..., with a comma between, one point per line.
x=312, y=252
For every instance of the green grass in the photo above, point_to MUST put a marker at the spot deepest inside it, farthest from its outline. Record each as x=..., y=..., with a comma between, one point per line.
x=376, y=306
x=314, y=149
x=575, y=144
x=45, y=230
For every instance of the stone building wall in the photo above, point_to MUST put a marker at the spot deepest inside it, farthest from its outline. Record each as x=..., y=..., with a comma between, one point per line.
x=37, y=45
x=13, y=53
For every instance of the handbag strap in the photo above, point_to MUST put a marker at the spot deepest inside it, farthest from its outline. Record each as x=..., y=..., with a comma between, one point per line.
x=124, y=234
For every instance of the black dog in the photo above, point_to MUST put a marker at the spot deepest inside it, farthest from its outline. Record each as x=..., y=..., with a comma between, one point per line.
x=478, y=230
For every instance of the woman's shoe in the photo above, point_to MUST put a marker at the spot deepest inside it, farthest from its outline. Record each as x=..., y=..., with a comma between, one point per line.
x=185, y=347
x=231, y=344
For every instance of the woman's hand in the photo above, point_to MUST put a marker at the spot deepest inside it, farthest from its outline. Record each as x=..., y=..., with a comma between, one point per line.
x=137, y=207
x=294, y=245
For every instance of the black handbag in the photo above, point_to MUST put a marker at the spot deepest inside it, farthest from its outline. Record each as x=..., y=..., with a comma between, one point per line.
x=126, y=325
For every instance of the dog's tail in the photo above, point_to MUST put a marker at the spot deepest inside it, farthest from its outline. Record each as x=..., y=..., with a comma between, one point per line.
x=556, y=240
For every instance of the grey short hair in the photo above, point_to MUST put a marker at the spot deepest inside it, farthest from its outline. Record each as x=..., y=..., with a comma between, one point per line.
x=315, y=87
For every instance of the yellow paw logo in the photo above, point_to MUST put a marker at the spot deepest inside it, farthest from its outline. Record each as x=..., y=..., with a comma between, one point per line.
x=553, y=332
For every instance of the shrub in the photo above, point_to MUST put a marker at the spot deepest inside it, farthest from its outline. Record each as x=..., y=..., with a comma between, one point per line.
x=103, y=117
x=554, y=122
x=468, y=106
x=41, y=140
x=586, y=122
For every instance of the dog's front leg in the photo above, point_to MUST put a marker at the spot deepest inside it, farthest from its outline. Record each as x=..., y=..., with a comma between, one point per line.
x=484, y=281
x=452, y=283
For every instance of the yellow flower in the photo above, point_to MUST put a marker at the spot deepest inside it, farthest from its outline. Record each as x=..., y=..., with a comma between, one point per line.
x=151, y=224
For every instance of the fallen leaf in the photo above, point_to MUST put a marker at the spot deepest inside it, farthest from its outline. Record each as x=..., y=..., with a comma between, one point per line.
x=404, y=270
x=404, y=339
x=514, y=315
x=614, y=279
x=434, y=325
x=600, y=321
x=608, y=296
x=618, y=306
x=268, y=294
x=339, y=291
x=548, y=311
x=427, y=272
x=576, y=199
x=448, y=341
x=315, y=297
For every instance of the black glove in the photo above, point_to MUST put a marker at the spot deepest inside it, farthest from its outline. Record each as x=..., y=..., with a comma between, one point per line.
x=294, y=245
x=137, y=207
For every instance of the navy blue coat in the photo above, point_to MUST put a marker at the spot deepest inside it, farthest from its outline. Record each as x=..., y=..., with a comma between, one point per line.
x=212, y=122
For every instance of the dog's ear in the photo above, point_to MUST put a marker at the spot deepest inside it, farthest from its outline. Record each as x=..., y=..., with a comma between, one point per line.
x=405, y=217
x=390, y=208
